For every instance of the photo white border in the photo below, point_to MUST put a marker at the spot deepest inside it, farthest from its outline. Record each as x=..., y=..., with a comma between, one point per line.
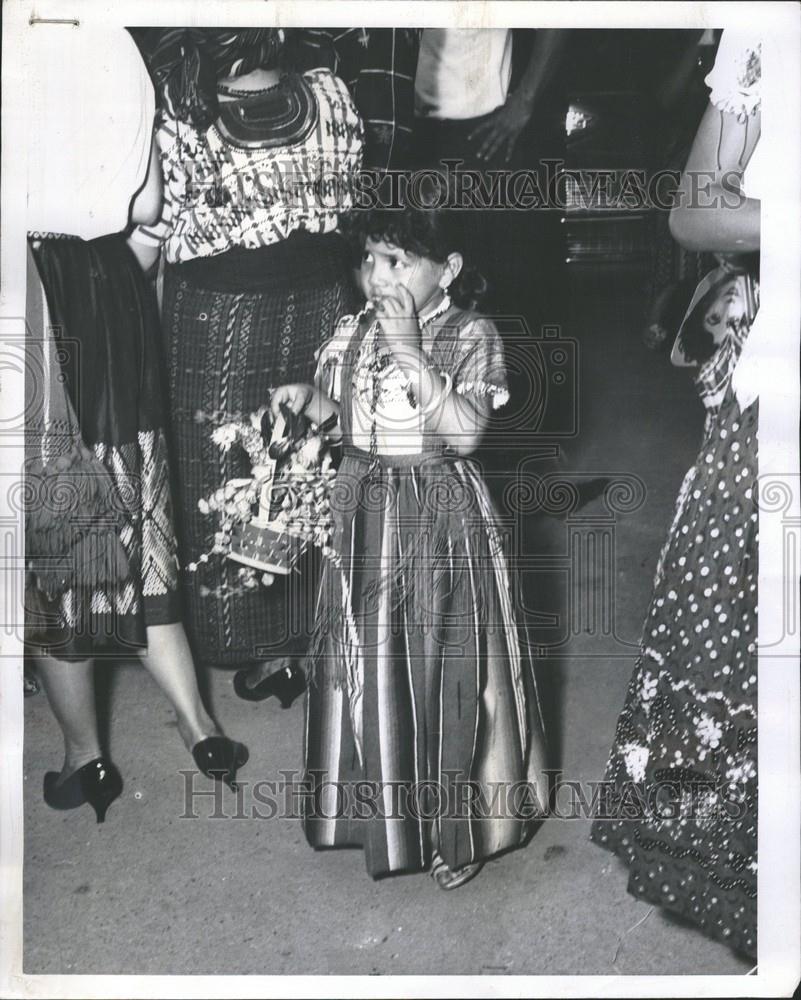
x=779, y=929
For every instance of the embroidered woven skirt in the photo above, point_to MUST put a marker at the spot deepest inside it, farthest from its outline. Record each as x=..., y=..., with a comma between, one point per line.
x=237, y=325
x=108, y=353
x=684, y=761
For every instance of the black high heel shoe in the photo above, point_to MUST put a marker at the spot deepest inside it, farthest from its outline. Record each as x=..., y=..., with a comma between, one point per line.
x=98, y=783
x=285, y=685
x=219, y=758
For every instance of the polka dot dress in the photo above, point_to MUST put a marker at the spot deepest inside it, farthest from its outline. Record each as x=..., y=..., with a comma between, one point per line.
x=683, y=815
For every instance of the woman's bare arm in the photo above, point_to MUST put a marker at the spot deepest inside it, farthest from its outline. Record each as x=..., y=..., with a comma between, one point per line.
x=146, y=208
x=146, y=203
x=710, y=212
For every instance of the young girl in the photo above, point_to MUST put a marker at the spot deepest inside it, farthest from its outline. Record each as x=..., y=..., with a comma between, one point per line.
x=423, y=712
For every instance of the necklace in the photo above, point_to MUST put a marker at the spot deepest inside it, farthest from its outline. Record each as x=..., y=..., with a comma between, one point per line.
x=231, y=92
x=443, y=307
x=377, y=366
x=368, y=313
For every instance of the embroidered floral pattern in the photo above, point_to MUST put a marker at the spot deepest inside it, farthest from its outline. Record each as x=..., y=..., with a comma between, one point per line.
x=708, y=731
x=635, y=757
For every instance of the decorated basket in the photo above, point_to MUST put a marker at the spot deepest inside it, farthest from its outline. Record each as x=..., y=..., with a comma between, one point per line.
x=267, y=547
x=269, y=542
x=267, y=520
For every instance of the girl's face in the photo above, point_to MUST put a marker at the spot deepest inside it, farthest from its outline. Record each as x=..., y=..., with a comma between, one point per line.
x=384, y=267
x=727, y=303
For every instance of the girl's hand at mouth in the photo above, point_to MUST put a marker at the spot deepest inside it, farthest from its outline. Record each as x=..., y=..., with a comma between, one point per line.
x=398, y=319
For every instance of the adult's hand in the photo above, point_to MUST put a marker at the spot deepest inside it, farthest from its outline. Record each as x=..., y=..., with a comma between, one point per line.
x=502, y=128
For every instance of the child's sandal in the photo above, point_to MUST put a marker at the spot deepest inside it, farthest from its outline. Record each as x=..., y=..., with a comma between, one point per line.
x=446, y=878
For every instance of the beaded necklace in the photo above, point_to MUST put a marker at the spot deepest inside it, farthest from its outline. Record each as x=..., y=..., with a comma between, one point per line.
x=231, y=92
x=378, y=363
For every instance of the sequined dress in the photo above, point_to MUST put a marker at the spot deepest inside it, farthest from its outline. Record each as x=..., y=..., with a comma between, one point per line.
x=683, y=766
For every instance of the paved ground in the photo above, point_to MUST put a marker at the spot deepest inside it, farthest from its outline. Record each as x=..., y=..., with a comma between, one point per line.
x=151, y=892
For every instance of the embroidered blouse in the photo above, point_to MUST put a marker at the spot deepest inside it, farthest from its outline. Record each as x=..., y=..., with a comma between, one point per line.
x=460, y=344
x=219, y=195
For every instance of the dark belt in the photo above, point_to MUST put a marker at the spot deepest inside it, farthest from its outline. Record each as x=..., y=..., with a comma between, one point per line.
x=303, y=259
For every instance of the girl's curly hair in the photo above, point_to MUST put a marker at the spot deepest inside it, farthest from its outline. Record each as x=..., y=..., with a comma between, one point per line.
x=426, y=232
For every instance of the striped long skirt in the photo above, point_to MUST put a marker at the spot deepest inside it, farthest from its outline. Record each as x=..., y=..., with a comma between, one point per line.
x=423, y=723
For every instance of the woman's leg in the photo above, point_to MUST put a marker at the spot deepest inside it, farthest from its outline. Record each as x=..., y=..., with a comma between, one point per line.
x=170, y=662
x=70, y=689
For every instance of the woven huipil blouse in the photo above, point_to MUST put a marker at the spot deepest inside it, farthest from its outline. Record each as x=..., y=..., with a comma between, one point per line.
x=218, y=195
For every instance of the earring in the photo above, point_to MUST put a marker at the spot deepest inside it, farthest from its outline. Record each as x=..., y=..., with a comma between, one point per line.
x=444, y=283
